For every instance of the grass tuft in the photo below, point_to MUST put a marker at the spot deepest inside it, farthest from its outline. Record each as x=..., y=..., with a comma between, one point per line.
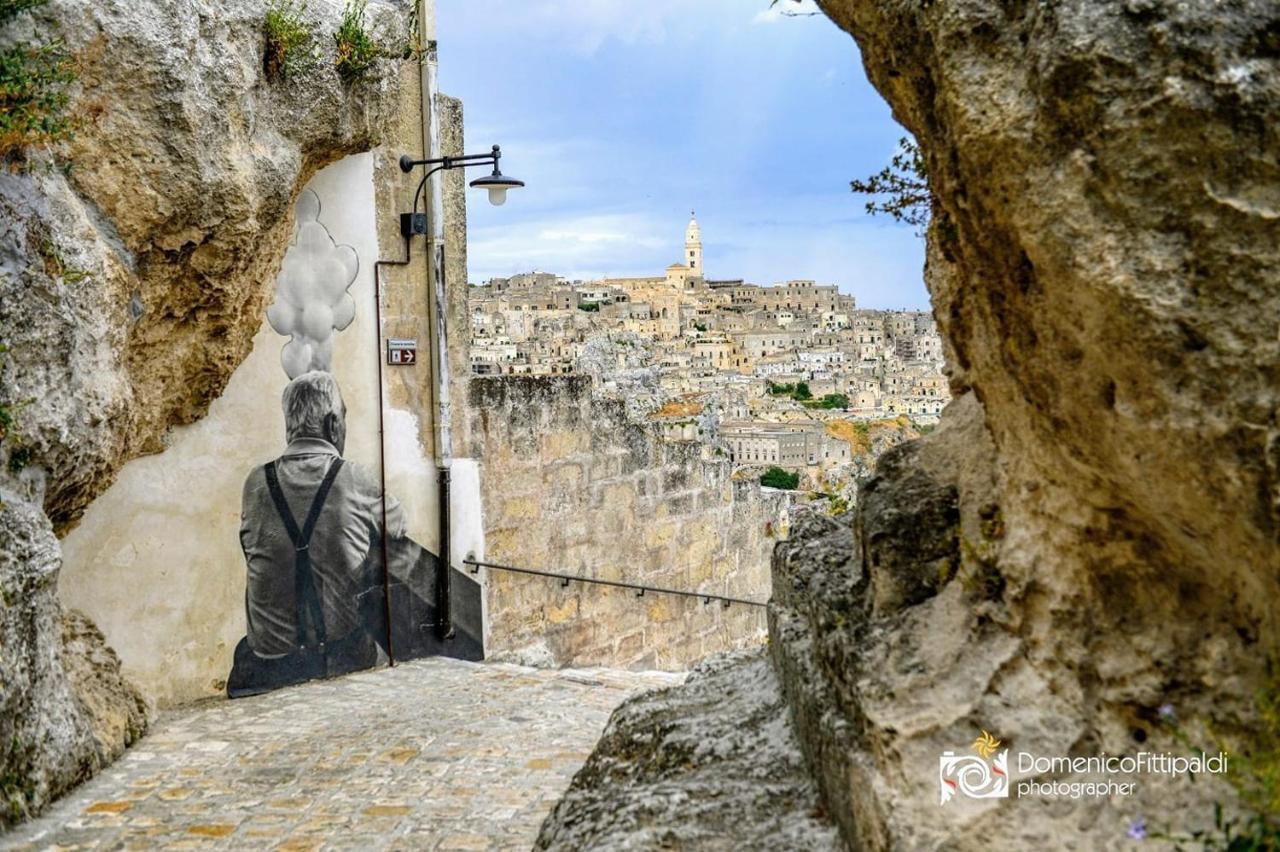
x=33, y=89
x=357, y=51
x=290, y=40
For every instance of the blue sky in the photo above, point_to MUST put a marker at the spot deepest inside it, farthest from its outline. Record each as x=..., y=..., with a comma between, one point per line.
x=624, y=115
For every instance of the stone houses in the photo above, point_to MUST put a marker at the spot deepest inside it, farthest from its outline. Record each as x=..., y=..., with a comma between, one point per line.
x=716, y=335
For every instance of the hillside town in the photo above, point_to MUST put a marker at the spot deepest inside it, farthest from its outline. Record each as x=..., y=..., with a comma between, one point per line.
x=794, y=375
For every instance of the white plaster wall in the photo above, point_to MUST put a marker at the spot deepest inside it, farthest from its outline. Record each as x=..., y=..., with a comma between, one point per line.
x=466, y=526
x=156, y=561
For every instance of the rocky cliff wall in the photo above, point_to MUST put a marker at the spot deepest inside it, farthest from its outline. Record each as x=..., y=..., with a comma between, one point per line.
x=572, y=483
x=1103, y=257
x=134, y=268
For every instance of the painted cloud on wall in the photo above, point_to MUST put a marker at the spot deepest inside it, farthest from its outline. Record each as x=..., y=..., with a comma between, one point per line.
x=312, y=302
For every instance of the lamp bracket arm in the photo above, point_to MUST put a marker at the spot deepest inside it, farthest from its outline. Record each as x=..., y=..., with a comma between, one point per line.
x=408, y=164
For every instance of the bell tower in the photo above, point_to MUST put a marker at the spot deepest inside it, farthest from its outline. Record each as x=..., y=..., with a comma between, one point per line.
x=693, y=246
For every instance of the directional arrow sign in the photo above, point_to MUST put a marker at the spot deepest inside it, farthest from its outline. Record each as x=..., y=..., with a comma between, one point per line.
x=402, y=352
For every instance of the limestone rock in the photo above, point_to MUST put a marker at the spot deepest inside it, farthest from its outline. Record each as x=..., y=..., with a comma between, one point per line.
x=910, y=527
x=116, y=710
x=1108, y=207
x=64, y=711
x=709, y=764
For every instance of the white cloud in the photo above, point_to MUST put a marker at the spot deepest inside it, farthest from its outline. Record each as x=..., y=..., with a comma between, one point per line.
x=576, y=246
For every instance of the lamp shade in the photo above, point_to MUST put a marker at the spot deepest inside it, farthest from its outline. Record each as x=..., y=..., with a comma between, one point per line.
x=497, y=184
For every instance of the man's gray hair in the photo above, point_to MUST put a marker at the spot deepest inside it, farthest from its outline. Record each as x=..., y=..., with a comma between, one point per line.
x=306, y=401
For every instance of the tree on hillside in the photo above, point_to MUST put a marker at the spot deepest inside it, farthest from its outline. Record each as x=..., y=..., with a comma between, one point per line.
x=776, y=477
x=835, y=400
x=801, y=392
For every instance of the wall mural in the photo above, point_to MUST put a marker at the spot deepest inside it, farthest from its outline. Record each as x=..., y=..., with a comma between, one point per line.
x=326, y=592
x=312, y=300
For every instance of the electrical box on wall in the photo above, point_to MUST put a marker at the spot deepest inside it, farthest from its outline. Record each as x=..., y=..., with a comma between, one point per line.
x=413, y=224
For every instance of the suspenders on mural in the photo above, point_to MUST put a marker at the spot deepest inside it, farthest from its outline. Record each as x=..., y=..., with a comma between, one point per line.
x=306, y=595
x=316, y=654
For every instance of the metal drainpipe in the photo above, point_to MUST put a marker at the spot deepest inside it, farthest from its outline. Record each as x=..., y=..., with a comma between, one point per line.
x=445, y=621
x=382, y=440
x=437, y=311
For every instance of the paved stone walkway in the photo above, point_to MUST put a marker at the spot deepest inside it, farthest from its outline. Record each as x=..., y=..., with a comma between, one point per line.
x=433, y=754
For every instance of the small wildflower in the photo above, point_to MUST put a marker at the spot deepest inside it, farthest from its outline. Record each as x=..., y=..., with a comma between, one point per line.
x=1138, y=829
x=1166, y=712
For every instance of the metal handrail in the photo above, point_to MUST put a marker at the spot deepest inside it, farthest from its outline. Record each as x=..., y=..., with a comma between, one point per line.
x=566, y=579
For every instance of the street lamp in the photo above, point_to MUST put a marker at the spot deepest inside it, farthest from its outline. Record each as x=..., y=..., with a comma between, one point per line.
x=497, y=183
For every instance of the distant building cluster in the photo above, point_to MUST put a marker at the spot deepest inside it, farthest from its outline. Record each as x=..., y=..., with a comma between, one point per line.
x=779, y=360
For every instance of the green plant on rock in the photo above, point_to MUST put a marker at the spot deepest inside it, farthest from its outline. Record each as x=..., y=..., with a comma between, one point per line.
x=33, y=89
x=1256, y=771
x=56, y=266
x=290, y=40
x=901, y=189
x=357, y=51
x=412, y=46
x=12, y=8
x=1253, y=769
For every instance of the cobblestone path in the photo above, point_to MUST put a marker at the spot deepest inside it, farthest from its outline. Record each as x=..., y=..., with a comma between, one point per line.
x=433, y=754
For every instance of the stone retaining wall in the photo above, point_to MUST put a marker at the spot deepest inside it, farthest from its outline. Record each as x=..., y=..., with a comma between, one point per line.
x=571, y=484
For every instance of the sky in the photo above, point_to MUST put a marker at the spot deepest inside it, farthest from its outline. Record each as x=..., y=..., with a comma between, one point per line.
x=623, y=116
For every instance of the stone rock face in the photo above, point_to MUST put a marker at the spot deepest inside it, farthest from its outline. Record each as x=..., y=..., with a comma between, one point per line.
x=64, y=710
x=117, y=711
x=1099, y=535
x=710, y=764
x=873, y=623
x=910, y=528
x=1109, y=202
x=134, y=269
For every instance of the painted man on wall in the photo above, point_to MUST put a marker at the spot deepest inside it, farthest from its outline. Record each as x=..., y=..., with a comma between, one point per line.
x=310, y=529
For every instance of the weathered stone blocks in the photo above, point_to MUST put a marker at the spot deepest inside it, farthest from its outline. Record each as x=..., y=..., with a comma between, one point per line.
x=606, y=497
